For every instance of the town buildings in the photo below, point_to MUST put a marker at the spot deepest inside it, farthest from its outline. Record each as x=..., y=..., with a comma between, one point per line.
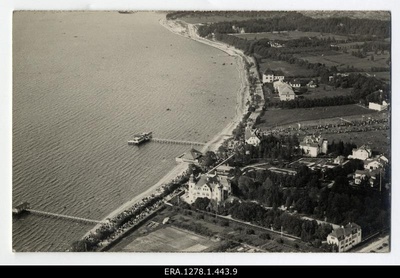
x=314, y=145
x=345, y=237
x=214, y=187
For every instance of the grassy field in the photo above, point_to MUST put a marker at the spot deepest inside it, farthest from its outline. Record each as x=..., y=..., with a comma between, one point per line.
x=378, y=140
x=342, y=60
x=326, y=91
x=169, y=239
x=289, y=35
x=281, y=117
x=288, y=69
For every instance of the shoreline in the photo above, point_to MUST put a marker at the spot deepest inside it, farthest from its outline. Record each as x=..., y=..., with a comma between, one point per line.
x=242, y=95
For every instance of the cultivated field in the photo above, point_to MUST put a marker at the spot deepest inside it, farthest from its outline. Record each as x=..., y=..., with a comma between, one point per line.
x=342, y=60
x=288, y=69
x=289, y=35
x=281, y=117
x=169, y=239
x=326, y=91
x=378, y=140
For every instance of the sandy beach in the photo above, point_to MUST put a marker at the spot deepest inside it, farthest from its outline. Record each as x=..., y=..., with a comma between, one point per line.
x=241, y=98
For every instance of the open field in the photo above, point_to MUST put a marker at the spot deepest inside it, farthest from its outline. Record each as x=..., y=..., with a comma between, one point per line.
x=289, y=35
x=378, y=140
x=169, y=239
x=326, y=91
x=288, y=69
x=280, y=117
x=384, y=75
x=341, y=60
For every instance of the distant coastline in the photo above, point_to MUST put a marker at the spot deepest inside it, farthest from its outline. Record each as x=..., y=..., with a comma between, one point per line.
x=212, y=145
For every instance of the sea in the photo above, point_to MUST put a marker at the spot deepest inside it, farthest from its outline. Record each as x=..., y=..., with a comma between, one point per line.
x=83, y=84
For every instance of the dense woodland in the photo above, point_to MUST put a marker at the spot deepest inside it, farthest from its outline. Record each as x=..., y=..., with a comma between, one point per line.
x=305, y=193
x=291, y=21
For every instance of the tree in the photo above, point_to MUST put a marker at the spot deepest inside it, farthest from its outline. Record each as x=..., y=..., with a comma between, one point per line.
x=208, y=159
x=79, y=246
x=201, y=203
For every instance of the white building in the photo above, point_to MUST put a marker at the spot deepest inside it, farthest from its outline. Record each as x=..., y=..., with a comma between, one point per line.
x=361, y=153
x=314, y=145
x=284, y=90
x=213, y=187
x=377, y=106
x=345, y=237
x=270, y=76
x=251, y=137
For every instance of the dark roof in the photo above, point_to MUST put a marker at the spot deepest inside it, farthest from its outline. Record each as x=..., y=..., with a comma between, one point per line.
x=193, y=154
x=347, y=230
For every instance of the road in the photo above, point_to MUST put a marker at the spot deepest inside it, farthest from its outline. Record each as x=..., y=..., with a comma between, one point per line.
x=378, y=245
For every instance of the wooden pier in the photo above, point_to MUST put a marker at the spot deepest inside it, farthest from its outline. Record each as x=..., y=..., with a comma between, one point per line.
x=63, y=216
x=178, y=142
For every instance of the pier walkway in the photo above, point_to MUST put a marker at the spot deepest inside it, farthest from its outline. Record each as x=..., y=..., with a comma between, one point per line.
x=178, y=142
x=63, y=216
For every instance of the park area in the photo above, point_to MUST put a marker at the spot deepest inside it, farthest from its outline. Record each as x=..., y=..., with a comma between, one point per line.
x=281, y=117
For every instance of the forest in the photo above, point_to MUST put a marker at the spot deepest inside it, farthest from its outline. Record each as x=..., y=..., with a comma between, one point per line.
x=304, y=193
x=291, y=21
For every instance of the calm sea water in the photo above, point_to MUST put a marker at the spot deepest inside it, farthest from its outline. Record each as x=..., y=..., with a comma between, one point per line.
x=83, y=84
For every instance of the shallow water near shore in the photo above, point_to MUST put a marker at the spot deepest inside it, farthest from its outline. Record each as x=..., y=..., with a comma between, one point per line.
x=83, y=84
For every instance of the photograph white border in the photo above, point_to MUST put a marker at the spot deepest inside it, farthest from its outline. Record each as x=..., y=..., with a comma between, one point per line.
x=7, y=257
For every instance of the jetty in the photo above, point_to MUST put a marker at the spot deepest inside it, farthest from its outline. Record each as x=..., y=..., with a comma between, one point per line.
x=62, y=216
x=178, y=142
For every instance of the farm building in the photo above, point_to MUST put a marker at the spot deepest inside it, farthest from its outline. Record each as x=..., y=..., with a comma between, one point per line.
x=377, y=106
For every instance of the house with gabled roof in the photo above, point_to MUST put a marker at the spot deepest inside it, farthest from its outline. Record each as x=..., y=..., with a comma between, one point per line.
x=345, y=237
x=364, y=152
x=251, y=136
x=314, y=145
x=191, y=156
x=270, y=76
x=211, y=186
